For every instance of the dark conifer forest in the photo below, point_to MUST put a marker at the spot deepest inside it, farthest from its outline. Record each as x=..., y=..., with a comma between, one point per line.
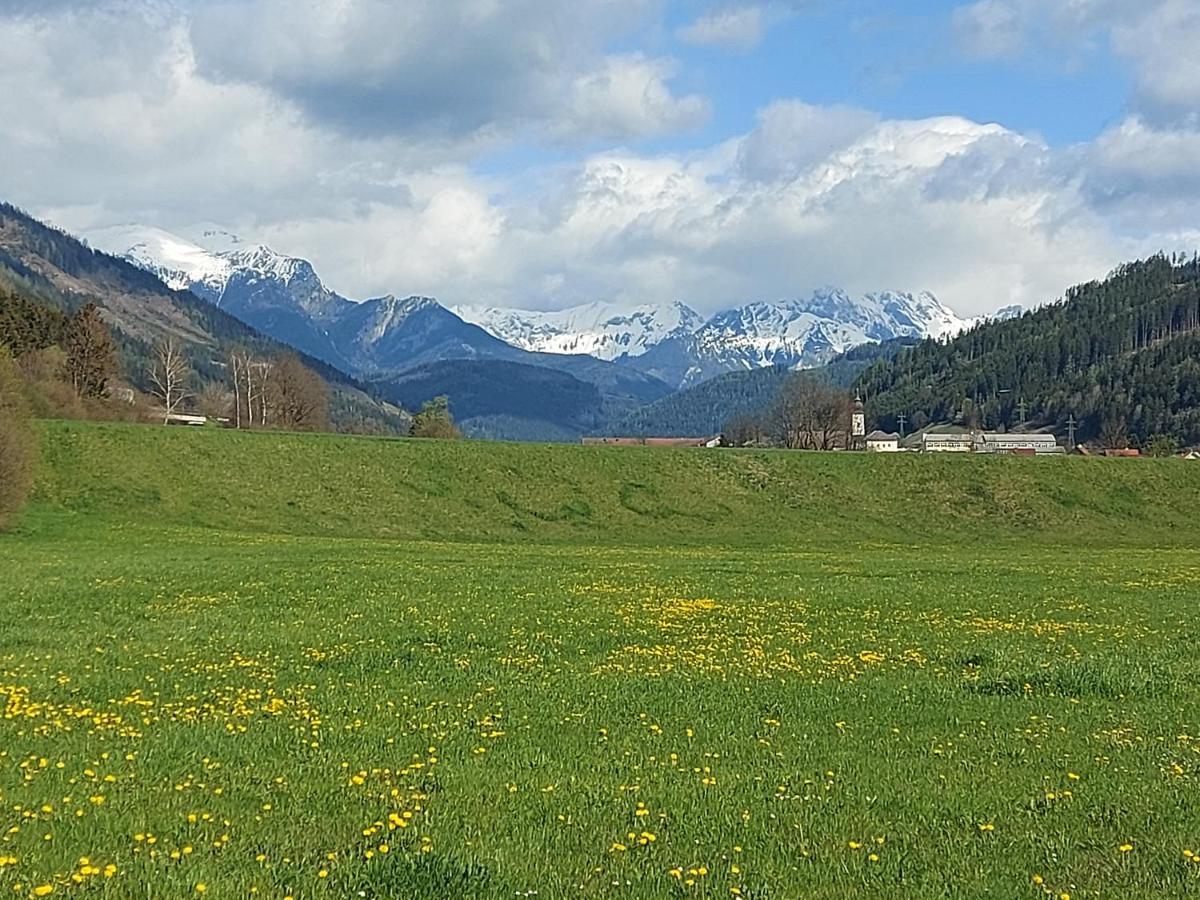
x=1118, y=354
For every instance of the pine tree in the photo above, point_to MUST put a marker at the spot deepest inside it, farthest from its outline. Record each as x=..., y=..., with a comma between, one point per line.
x=435, y=421
x=91, y=354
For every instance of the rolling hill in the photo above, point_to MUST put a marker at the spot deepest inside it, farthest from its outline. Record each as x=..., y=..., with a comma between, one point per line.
x=126, y=476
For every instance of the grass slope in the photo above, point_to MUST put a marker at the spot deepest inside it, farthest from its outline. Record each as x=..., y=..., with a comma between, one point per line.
x=327, y=485
x=228, y=670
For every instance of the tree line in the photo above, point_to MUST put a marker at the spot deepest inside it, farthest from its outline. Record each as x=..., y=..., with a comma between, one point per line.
x=808, y=413
x=1120, y=358
x=71, y=368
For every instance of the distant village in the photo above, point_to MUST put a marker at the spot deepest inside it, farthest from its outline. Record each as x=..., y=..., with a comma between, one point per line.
x=945, y=439
x=1038, y=444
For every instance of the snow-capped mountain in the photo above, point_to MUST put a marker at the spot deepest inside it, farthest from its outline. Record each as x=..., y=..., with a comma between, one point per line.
x=226, y=272
x=800, y=332
x=180, y=264
x=676, y=344
x=796, y=333
x=1007, y=312
x=598, y=329
x=283, y=297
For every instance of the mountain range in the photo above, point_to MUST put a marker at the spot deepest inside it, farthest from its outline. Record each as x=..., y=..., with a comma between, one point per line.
x=1114, y=358
x=611, y=361
x=658, y=347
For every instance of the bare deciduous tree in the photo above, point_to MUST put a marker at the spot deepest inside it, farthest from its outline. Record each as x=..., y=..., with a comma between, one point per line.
x=235, y=369
x=810, y=414
x=299, y=397
x=258, y=380
x=214, y=401
x=1113, y=434
x=744, y=431
x=251, y=383
x=169, y=373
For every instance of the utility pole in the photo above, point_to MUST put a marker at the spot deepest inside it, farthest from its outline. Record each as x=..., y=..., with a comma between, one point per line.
x=1071, y=423
x=903, y=420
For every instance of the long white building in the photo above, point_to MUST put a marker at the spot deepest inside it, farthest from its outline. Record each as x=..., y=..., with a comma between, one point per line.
x=947, y=443
x=991, y=442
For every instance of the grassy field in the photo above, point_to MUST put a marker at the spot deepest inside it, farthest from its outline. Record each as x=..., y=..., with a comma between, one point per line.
x=497, y=671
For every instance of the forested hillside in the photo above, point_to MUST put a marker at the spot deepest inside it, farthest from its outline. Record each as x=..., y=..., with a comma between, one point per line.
x=705, y=408
x=1121, y=355
x=708, y=407
x=44, y=271
x=499, y=399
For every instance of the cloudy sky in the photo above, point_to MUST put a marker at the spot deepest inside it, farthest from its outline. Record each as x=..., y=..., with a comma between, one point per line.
x=540, y=153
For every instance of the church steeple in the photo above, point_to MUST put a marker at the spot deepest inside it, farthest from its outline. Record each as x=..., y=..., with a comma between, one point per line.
x=858, y=425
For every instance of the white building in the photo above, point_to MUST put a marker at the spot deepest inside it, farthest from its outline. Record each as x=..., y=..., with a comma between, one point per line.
x=1038, y=444
x=883, y=442
x=192, y=421
x=947, y=443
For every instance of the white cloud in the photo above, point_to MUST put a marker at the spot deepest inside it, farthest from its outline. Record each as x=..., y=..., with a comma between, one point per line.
x=1157, y=38
x=114, y=117
x=735, y=28
x=452, y=68
x=990, y=29
x=980, y=215
x=1146, y=179
x=1161, y=42
x=1004, y=28
x=792, y=135
x=628, y=97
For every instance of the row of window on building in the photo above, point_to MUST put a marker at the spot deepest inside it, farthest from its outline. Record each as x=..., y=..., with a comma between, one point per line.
x=970, y=442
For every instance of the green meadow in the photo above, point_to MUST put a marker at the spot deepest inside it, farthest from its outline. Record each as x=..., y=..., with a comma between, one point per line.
x=264, y=665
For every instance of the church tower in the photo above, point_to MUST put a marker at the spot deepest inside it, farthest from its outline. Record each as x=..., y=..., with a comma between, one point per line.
x=858, y=426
